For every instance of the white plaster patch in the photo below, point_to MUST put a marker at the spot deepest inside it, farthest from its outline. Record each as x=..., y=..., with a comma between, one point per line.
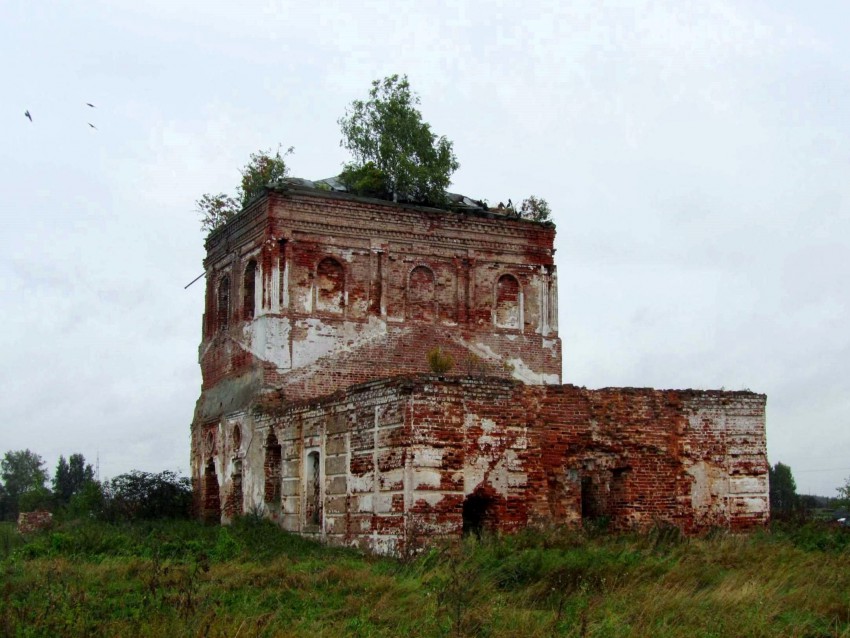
x=710, y=482
x=748, y=485
x=751, y=505
x=523, y=373
x=366, y=504
x=431, y=498
x=323, y=339
x=714, y=419
x=425, y=478
x=383, y=503
x=393, y=476
x=481, y=467
x=428, y=457
x=520, y=371
x=267, y=338
x=365, y=483
x=382, y=544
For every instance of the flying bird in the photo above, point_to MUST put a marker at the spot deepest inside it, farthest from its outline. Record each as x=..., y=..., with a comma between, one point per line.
x=91, y=105
x=92, y=125
x=28, y=116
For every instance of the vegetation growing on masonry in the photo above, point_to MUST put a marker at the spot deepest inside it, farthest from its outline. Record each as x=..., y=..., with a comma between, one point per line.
x=396, y=157
x=395, y=147
x=440, y=362
x=262, y=169
x=536, y=209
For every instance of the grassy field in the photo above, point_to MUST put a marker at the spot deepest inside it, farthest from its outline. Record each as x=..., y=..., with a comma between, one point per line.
x=187, y=579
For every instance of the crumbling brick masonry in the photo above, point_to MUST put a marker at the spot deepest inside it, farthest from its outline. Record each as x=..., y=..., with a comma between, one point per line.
x=318, y=410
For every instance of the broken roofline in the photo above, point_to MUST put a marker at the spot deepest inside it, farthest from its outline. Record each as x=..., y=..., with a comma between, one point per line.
x=417, y=381
x=457, y=205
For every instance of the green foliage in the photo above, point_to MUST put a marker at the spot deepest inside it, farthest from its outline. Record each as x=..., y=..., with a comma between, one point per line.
x=262, y=169
x=89, y=501
x=183, y=578
x=24, y=477
x=9, y=539
x=820, y=536
x=440, y=362
x=783, y=491
x=38, y=498
x=146, y=496
x=216, y=210
x=844, y=493
x=365, y=180
x=536, y=209
x=71, y=477
x=387, y=130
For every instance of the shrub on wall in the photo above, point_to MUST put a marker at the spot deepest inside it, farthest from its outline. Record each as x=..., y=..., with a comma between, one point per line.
x=440, y=362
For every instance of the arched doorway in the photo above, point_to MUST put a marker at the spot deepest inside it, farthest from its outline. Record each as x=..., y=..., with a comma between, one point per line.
x=478, y=513
x=212, y=500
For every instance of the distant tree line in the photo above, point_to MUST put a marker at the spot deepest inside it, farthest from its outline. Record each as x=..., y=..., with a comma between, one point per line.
x=74, y=490
x=787, y=505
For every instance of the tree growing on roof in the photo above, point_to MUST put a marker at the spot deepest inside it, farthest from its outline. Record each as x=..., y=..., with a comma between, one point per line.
x=536, y=209
x=394, y=150
x=262, y=169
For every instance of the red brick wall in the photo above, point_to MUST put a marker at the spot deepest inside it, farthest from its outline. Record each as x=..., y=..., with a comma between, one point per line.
x=404, y=457
x=353, y=289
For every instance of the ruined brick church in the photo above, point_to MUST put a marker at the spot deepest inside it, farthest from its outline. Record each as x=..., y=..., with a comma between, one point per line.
x=319, y=411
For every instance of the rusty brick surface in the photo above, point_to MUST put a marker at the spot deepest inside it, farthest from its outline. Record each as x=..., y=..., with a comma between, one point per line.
x=540, y=455
x=318, y=409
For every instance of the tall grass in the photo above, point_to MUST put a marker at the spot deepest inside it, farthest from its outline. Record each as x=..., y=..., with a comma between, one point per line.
x=250, y=579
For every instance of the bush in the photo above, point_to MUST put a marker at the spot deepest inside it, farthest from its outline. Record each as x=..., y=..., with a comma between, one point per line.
x=145, y=496
x=366, y=180
x=440, y=362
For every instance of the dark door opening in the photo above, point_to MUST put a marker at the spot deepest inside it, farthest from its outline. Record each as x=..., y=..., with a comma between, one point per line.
x=212, y=502
x=589, y=508
x=477, y=512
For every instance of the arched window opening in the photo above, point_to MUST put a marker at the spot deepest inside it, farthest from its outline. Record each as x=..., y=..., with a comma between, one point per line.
x=478, y=513
x=210, y=308
x=248, y=289
x=508, y=302
x=330, y=286
x=237, y=438
x=235, y=502
x=591, y=503
x=212, y=502
x=313, y=492
x=272, y=470
x=223, y=307
x=420, y=295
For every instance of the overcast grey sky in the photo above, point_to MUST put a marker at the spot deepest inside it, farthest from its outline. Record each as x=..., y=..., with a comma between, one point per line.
x=695, y=154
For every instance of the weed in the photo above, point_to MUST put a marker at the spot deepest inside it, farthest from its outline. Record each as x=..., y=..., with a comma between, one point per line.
x=440, y=362
x=251, y=579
